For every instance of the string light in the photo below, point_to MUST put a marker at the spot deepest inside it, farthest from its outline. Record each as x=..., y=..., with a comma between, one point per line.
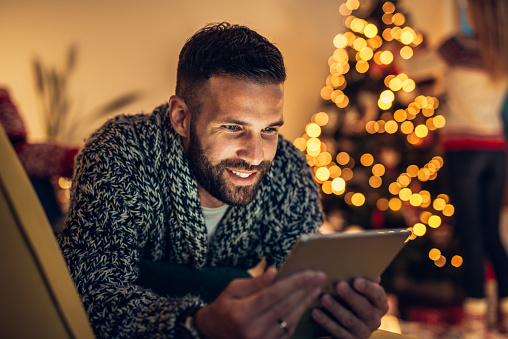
x=362, y=50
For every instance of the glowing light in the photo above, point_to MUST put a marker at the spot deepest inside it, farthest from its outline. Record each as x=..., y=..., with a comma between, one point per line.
x=322, y=174
x=395, y=84
x=337, y=80
x=343, y=10
x=313, y=130
x=412, y=170
x=337, y=95
x=435, y=221
x=428, y=111
x=382, y=204
x=324, y=159
x=424, y=217
x=439, y=121
x=353, y=4
x=387, y=96
x=421, y=131
x=357, y=24
x=413, y=139
x=416, y=199
x=409, y=85
x=313, y=145
x=327, y=187
x=335, y=171
x=398, y=19
x=375, y=42
x=395, y=204
x=64, y=183
x=386, y=57
x=362, y=66
x=434, y=254
x=391, y=126
x=440, y=262
x=419, y=229
x=406, y=52
x=407, y=127
x=404, y=180
x=342, y=158
x=426, y=197
x=367, y=159
x=359, y=44
x=407, y=36
x=347, y=174
x=387, y=33
x=300, y=143
x=340, y=41
x=383, y=105
x=439, y=204
x=400, y=115
x=338, y=184
x=340, y=55
x=375, y=181
x=326, y=92
x=394, y=189
x=366, y=53
x=457, y=261
x=387, y=18
x=405, y=194
x=449, y=210
x=370, y=31
x=321, y=118
x=388, y=7
x=378, y=169
x=358, y=199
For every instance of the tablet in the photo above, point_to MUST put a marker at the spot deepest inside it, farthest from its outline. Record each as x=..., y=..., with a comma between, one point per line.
x=342, y=256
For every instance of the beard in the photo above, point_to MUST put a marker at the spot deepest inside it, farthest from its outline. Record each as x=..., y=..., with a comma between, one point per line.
x=215, y=180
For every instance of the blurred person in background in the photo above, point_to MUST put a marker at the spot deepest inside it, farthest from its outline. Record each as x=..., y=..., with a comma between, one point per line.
x=475, y=85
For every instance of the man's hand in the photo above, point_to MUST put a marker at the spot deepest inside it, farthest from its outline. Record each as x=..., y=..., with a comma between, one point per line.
x=357, y=314
x=260, y=307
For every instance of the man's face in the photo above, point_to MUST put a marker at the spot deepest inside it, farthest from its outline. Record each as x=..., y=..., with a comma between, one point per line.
x=233, y=140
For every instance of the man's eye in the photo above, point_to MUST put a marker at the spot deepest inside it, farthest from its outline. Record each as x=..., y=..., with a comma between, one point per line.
x=231, y=128
x=270, y=130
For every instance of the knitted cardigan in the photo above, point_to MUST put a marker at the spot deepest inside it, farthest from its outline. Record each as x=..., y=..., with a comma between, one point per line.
x=133, y=197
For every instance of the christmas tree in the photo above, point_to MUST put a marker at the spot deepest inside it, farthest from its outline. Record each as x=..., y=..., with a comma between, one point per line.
x=373, y=147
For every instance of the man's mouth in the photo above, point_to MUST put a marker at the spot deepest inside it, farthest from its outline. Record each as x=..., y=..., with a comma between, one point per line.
x=242, y=174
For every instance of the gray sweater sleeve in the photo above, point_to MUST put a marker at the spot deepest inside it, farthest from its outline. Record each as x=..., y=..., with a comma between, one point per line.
x=109, y=223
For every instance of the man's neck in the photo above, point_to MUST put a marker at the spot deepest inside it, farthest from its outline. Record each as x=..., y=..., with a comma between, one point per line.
x=207, y=200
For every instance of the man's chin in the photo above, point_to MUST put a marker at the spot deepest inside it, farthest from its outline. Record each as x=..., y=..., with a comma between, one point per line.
x=240, y=195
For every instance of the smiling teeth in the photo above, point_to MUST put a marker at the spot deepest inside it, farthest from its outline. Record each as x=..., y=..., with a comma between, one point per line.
x=242, y=175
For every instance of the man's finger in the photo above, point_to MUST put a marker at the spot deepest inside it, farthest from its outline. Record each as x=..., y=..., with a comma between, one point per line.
x=242, y=288
x=372, y=291
x=282, y=289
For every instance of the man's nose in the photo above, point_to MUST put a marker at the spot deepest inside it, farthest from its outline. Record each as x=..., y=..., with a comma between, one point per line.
x=252, y=150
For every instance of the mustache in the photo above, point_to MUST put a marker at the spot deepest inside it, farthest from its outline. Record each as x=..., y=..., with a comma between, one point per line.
x=244, y=165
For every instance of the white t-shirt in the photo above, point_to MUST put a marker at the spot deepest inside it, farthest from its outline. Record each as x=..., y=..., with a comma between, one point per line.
x=213, y=217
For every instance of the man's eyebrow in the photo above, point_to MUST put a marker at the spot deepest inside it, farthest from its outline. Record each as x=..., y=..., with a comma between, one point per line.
x=243, y=123
x=278, y=123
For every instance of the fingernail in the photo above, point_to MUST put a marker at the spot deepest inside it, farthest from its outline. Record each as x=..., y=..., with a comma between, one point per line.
x=316, y=292
x=327, y=300
x=316, y=314
x=360, y=284
x=342, y=286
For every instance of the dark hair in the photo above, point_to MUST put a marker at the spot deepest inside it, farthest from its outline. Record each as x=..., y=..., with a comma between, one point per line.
x=226, y=49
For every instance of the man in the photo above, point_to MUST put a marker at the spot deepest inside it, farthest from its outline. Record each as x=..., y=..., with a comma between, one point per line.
x=200, y=191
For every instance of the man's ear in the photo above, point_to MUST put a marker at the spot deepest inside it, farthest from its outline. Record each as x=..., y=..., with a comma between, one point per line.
x=180, y=116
